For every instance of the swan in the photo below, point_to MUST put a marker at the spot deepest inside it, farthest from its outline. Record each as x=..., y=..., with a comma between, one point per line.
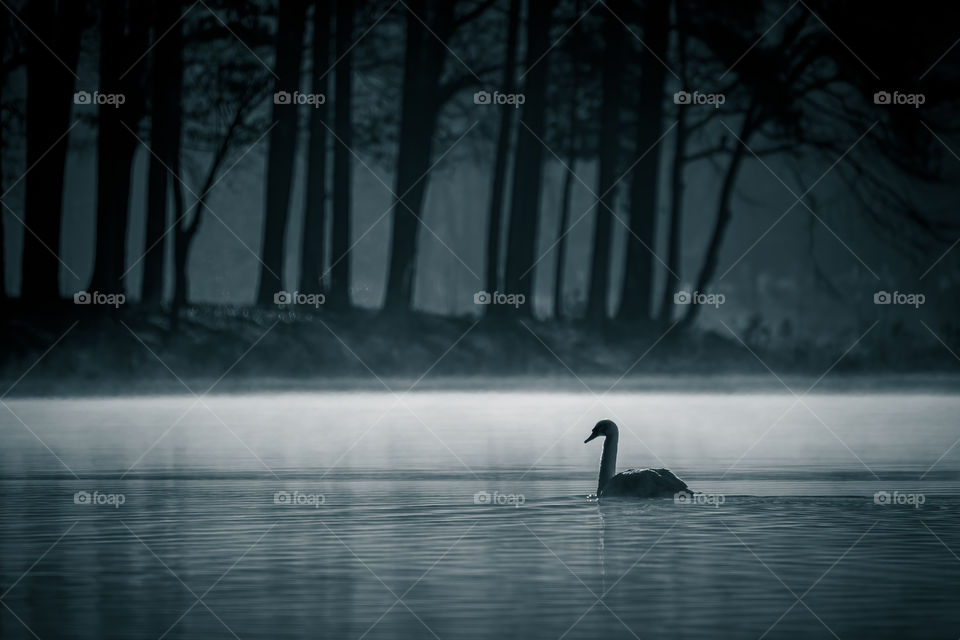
x=637, y=483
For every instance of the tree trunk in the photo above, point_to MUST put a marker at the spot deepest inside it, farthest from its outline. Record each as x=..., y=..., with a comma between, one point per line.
x=3, y=252
x=186, y=231
x=173, y=128
x=528, y=166
x=672, y=283
x=182, y=239
x=423, y=61
x=562, y=243
x=181, y=243
x=4, y=23
x=614, y=35
x=635, y=300
x=50, y=86
x=314, y=217
x=573, y=143
x=724, y=213
x=565, y=202
x=502, y=153
x=283, y=147
x=342, y=157
x=164, y=141
x=675, y=257
x=115, y=149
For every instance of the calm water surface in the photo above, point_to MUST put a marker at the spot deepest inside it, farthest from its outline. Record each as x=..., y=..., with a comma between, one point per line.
x=454, y=515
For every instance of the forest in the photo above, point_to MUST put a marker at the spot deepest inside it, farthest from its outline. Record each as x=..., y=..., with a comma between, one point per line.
x=356, y=188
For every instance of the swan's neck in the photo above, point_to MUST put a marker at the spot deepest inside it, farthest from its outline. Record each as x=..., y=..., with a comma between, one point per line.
x=608, y=461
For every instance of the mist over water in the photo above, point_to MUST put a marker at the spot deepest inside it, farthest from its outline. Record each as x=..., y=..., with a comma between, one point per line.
x=466, y=515
x=764, y=434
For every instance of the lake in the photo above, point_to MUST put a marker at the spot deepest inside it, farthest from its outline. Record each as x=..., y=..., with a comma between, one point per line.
x=465, y=515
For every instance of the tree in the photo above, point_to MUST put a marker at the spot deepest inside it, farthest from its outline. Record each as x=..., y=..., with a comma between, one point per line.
x=802, y=93
x=3, y=252
x=508, y=83
x=166, y=84
x=636, y=299
x=314, y=218
x=342, y=157
x=575, y=127
x=186, y=229
x=724, y=212
x=4, y=70
x=123, y=37
x=282, y=146
x=611, y=88
x=429, y=25
x=423, y=61
x=50, y=85
x=528, y=165
x=573, y=144
x=678, y=164
x=218, y=113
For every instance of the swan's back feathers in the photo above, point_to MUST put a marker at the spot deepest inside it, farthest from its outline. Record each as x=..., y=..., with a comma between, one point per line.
x=644, y=483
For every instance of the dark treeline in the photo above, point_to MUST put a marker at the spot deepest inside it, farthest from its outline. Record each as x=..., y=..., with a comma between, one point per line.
x=598, y=84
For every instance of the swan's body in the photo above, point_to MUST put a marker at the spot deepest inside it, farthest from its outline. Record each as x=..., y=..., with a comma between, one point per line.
x=638, y=483
x=643, y=483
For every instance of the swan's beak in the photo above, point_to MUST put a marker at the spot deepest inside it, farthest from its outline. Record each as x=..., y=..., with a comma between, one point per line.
x=592, y=436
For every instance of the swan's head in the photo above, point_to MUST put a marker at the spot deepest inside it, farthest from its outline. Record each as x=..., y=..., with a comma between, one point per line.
x=602, y=428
